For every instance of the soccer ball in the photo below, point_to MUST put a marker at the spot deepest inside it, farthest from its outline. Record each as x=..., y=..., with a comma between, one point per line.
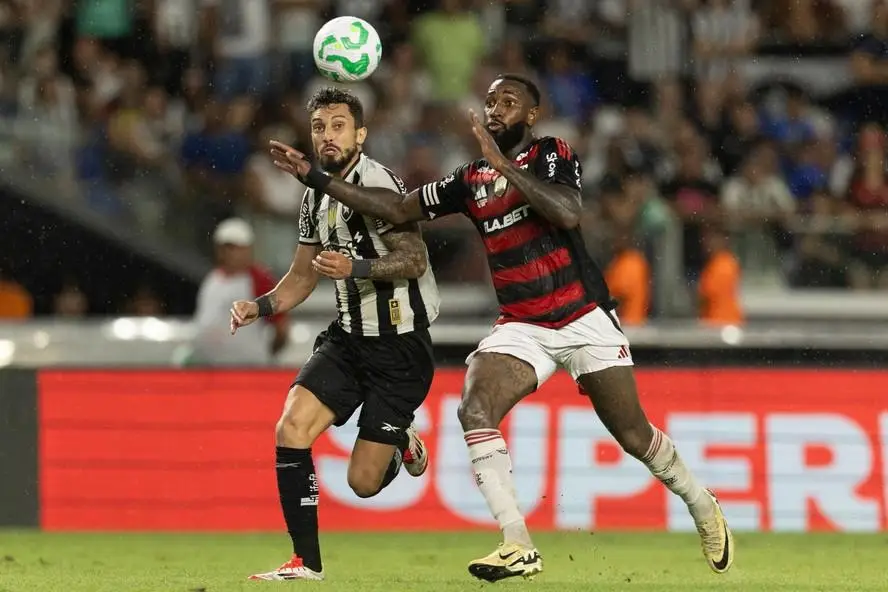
x=347, y=49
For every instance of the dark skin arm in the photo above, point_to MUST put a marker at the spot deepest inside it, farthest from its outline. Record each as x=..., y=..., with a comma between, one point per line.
x=559, y=204
x=378, y=202
x=405, y=260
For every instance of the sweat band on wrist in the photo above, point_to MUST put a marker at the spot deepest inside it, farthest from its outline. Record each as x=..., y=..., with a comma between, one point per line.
x=265, y=307
x=360, y=268
x=317, y=179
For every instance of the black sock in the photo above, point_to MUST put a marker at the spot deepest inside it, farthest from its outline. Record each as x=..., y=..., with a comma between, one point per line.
x=392, y=471
x=298, y=489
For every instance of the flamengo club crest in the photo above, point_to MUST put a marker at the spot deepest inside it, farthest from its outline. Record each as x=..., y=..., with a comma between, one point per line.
x=500, y=186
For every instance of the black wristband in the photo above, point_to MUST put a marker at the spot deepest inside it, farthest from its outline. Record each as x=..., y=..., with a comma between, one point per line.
x=316, y=178
x=360, y=268
x=265, y=307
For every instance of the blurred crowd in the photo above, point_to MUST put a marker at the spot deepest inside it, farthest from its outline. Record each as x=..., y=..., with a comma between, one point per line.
x=159, y=112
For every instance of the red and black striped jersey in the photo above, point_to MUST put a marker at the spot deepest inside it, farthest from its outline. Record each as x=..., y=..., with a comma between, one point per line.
x=542, y=274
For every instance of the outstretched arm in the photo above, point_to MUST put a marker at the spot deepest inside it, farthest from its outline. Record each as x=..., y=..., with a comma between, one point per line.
x=379, y=202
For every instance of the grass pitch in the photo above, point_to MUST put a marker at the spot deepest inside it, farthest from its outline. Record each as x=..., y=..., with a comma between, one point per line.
x=38, y=562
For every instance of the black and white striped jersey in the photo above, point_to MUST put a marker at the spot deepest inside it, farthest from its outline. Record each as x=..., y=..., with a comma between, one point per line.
x=367, y=307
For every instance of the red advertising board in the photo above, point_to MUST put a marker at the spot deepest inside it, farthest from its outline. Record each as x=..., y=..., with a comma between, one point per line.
x=786, y=450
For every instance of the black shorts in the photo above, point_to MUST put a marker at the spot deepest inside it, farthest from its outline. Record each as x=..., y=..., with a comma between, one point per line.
x=389, y=375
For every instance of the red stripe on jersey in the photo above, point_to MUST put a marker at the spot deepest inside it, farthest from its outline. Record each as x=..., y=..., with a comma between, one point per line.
x=532, y=270
x=496, y=206
x=537, y=307
x=564, y=151
x=514, y=237
x=531, y=154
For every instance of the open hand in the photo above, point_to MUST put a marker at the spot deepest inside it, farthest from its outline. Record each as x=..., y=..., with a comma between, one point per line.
x=333, y=265
x=243, y=313
x=290, y=160
x=489, y=149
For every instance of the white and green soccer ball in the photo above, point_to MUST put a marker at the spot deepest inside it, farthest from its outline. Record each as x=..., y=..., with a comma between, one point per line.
x=347, y=49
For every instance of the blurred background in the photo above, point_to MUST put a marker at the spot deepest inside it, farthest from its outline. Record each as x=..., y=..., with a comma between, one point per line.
x=711, y=132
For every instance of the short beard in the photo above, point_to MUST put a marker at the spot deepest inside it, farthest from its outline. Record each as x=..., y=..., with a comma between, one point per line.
x=334, y=165
x=508, y=138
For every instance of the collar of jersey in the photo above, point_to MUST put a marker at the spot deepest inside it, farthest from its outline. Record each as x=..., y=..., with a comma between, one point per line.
x=347, y=177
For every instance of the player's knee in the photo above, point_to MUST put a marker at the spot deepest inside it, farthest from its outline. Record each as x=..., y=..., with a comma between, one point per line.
x=475, y=412
x=293, y=431
x=364, y=483
x=635, y=440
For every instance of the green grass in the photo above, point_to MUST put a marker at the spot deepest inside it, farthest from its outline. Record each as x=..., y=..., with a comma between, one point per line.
x=37, y=562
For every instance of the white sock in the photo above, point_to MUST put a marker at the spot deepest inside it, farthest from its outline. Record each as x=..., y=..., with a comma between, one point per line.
x=666, y=465
x=493, y=474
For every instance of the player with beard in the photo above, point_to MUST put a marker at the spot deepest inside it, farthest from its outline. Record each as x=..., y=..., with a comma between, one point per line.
x=377, y=355
x=524, y=198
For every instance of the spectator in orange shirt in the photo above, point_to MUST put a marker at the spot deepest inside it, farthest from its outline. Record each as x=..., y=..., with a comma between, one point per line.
x=629, y=279
x=719, y=288
x=15, y=302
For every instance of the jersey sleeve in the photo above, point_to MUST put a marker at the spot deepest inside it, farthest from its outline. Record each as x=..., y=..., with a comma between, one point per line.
x=446, y=196
x=308, y=226
x=558, y=163
x=386, y=179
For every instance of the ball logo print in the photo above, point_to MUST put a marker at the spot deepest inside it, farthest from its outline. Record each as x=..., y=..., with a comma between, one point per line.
x=347, y=49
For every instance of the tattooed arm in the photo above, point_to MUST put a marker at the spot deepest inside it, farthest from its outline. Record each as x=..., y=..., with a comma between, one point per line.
x=406, y=258
x=387, y=201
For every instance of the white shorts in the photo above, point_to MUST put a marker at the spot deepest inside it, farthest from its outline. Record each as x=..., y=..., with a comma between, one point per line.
x=592, y=343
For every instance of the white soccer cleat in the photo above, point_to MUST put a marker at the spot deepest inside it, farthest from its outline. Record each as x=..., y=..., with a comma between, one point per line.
x=716, y=539
x=416, y=457
x=509, y=560
x=291, y=570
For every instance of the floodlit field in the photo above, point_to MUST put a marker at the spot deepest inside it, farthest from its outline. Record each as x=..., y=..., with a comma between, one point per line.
x=36, y=562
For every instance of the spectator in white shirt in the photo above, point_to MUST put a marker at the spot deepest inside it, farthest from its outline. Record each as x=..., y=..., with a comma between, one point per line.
x=758, y=204
x=758, y=191
x=236, y=277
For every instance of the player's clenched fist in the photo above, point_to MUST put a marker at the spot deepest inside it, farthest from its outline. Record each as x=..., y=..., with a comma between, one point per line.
x=243, y=312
